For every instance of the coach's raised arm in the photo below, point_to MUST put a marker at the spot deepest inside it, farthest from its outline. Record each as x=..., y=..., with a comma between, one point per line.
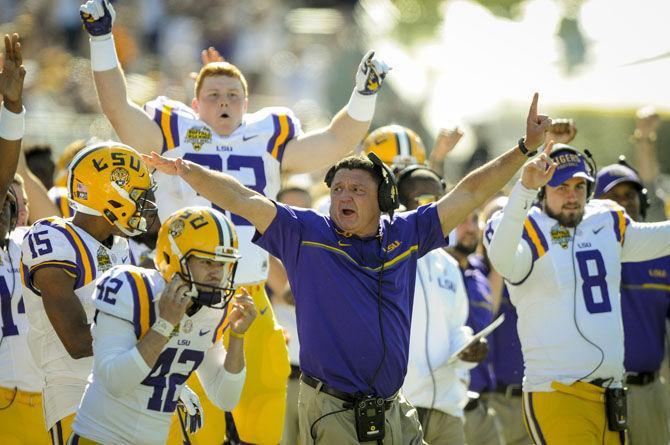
x=352, y=273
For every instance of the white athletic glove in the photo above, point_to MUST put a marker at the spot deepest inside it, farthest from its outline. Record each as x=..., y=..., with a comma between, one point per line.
x=98, y=17
x=190, y=409
x=370, y=74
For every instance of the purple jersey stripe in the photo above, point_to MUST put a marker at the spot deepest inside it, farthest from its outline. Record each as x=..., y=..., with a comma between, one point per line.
x=540, y=235
x=530, y=242
x=80, y=265
x=136, y=304
x=150, y=294
x=273, y=139
x=291, y=133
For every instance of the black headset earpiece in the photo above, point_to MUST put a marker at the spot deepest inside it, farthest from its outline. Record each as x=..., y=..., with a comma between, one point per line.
x=388, y=188
x=407, y=171
x=590, y=165
x=643, y=192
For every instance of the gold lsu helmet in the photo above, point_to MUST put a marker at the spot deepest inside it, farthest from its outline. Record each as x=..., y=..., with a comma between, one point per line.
x=109, y=179
x=396, y=146
x=206, y=233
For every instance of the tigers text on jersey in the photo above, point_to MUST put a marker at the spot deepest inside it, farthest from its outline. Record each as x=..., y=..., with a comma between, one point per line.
x=564, y=283
x=56, y=242
x=17, y=366
x=141, y=413
x=252, y=154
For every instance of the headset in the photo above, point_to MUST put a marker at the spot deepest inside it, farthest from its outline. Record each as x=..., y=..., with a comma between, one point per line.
x=641, y=190
x=406, y=173
x=387, y=193
x=588, y=160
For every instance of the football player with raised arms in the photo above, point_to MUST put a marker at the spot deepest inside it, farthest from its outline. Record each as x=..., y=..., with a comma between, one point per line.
x=60, y=260
x=562, y=263
x=217, y=132
x=154, y=328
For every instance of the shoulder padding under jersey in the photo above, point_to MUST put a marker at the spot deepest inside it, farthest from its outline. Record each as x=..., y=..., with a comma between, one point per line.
x=129, y=292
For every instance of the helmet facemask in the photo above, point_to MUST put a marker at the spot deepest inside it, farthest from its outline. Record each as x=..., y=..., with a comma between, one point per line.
x=216, y=296
x=145, y=208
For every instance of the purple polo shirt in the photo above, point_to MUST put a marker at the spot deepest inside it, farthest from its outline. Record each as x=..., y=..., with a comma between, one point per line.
x=478, y=288
x=335, y=281
x=507, y=357
x=645, y=301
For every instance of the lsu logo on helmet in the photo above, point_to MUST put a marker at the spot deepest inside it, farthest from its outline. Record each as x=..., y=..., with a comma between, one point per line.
x=110, y=179
x=205, y=233
x=396, y=146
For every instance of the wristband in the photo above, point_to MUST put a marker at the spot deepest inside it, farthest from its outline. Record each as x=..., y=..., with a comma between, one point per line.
x=12, y=125
x=360, y=107
x=163, y=327
x=235, y=334
x=524, y=149
x=103, y=54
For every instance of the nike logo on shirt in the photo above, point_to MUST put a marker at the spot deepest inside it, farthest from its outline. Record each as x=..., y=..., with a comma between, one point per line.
x=203, y=332
x=341, y=244
x=246, y=138
x=595, y=231
x=264, y=310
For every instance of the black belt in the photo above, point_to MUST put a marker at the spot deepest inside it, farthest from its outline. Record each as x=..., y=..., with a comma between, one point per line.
x=344, y=396
x=509, y=391
x=295, y=372
x=641, y=378
x=472, y=404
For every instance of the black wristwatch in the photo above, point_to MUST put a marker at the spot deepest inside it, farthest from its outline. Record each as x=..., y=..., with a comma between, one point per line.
x=524, y=149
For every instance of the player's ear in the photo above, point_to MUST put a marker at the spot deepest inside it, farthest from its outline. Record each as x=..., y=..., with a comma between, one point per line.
x=195, y=105
x=246, y=105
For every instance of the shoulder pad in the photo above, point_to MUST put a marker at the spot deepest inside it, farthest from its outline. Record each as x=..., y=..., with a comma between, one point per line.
x=130, y=293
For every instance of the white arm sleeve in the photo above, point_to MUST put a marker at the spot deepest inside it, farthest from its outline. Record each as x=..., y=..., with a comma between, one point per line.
x=645, y=241
x=116, y=361
x=222, y=388
x=510, y=256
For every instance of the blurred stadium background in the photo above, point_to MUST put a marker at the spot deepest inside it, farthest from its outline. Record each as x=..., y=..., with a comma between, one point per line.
x=472, y=63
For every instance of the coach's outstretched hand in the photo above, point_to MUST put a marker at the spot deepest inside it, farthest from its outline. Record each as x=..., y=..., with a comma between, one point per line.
x=172, y=167
x=371, y=73
x=12, y=74
x=539, y=170
x=98, y=17
x=536, y=126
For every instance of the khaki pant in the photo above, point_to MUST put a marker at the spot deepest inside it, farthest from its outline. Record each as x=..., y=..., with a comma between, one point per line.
x=291, y=425
x=440, y=428
x=648, y=414
x=509, y=413
x=402, y=423
x=482, y=426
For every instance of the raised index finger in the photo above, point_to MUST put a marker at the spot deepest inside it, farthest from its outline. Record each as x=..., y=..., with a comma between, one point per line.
x=548, y=148
x=532, y=112
x=16, y=49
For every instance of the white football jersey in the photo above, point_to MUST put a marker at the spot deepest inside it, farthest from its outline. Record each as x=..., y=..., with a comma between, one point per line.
x=142, y=414
x=56, y=242
x=564, y=283
x=438, y=330
x=17, y=366
x=252, y=154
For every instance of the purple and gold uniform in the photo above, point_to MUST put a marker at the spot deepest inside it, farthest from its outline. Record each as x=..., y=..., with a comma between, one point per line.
x=56, y=242
x=21, y=381
x=252, y=154
x=645, y=306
